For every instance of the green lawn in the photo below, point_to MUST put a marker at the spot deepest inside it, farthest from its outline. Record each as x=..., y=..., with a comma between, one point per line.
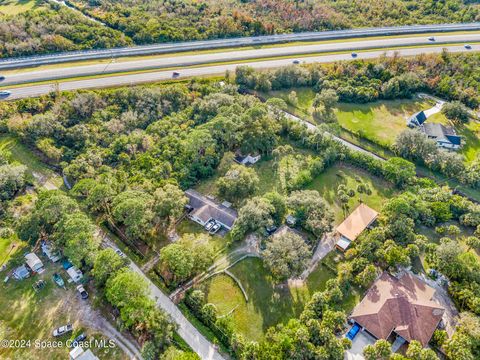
x=14, y=7
x=268, y=304
x=471, y=138
x=380, y=121
x=219, y=244
x=327, y=183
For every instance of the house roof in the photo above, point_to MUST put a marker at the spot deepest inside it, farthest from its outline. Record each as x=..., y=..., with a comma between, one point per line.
x=403, y=305
x=206, y=209
x=33, y=261
x=441, y=132
x=357, y=221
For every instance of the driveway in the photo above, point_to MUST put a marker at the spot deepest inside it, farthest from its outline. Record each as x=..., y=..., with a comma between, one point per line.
x=358, y=344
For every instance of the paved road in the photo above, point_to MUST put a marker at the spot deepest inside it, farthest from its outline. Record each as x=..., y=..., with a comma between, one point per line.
x=312, y=127
x=232, y=42
x=122, y=80
x=186, y=330
x=190, y=60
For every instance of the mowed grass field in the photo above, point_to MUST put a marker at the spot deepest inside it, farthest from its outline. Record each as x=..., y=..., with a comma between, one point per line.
x=327, y=184
x=14, y=7
x=268, y=304
x=381, y=121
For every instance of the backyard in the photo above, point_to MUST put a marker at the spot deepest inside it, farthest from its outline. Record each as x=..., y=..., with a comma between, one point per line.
x=327, y=184
x=268, y=304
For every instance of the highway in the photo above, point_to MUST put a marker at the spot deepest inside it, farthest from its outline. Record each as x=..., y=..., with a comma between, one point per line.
x=131, y=79
x=167, y=48
x=180, y=61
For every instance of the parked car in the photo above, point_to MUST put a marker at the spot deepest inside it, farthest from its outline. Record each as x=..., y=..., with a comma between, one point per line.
x=175, y=74
x=354, y=54
x=82, y=291
x=4, y=94
x=431, y=38
x=209, y=224
x=353, y=331
x=296, y=62
x=2, y=78
x=467, y=46
x=271, y=229
x=188, y=208
x=78, y=340
x=215, y=228
x=120, y=253
x=62, y=330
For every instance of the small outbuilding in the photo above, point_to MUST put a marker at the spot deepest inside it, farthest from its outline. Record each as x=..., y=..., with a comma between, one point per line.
x=75, y=274
x=360, y=219
x=34, y=263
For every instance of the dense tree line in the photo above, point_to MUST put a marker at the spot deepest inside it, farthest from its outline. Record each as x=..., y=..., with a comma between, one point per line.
x=132, y=152
x=450, y=76
x=53, y=28
x=160, y=20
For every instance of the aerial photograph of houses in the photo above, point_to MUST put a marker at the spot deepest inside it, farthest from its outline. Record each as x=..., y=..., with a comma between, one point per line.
x=251, y=180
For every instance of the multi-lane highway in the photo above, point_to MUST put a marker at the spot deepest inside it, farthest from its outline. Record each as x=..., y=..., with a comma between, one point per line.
x=32, y=90
x=233, y=42
x=179, y=61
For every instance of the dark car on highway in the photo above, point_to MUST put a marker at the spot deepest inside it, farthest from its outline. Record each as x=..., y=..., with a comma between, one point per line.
x=4, y=94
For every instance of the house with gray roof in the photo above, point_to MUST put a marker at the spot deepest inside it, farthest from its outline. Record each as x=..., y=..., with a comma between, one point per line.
x=205, y=208
x=445, y=136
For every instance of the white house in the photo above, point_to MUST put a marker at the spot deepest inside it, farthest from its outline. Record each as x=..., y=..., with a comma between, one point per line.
x=247, y=159
x=34, y=263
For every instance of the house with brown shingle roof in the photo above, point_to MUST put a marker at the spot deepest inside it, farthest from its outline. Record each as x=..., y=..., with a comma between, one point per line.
x=360, y=219
x=399, y=306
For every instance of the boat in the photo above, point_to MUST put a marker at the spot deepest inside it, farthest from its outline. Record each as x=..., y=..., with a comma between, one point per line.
x=58, y=280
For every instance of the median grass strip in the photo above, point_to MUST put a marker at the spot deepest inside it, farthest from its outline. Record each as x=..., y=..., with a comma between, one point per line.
x=213, y=63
